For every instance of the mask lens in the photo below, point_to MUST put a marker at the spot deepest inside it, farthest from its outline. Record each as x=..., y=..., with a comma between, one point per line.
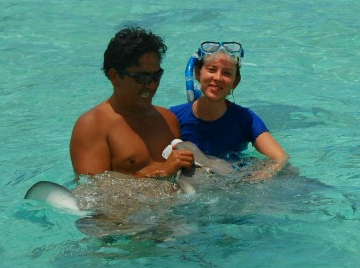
x=210, y=47
x=232, y=47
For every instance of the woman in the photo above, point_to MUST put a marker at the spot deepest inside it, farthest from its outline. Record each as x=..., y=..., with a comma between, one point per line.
x=216, y=125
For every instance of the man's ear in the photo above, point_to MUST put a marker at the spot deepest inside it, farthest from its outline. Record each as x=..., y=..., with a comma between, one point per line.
x=113, y=76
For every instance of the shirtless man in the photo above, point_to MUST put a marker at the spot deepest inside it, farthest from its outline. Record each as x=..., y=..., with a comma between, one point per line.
x=127, y=133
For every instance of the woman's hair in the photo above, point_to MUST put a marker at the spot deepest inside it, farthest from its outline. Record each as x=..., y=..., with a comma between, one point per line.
x=128, y=45
x=200, y=64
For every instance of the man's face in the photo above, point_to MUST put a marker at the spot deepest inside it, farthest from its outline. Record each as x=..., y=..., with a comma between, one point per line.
x=135, y=90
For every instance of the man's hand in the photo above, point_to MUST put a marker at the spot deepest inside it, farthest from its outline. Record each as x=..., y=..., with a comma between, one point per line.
x=179, y=159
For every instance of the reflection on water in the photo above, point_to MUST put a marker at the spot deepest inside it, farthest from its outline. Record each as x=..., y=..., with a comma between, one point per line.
x=157, y=209
x=136, y=218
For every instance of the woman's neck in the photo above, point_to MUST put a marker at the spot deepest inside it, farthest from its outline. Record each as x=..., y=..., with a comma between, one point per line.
x=208, y=110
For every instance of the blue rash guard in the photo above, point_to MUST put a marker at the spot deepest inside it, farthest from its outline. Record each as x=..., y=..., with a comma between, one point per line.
x=230, y=133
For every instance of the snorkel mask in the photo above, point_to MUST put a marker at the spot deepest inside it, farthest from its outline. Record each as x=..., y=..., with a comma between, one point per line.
x=233, y=49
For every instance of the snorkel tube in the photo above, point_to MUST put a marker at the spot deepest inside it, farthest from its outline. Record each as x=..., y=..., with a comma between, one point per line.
x=191, y=92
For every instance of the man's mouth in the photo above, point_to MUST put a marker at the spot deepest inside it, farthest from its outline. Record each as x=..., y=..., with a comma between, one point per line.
x=145, y=94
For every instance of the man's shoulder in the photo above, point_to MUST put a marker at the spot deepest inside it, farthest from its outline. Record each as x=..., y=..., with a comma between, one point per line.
x=160, y=108
x=164, y=112
x=95, y=116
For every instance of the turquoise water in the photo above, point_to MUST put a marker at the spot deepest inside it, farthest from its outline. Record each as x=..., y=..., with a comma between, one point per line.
x=301, y=75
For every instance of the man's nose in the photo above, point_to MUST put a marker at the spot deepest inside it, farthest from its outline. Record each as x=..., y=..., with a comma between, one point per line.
x=153, y=85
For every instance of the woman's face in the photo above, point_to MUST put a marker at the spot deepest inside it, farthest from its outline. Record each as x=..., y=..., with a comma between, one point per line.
x=217, y=76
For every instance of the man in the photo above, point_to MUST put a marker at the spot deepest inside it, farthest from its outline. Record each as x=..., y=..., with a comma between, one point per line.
x=127, y=133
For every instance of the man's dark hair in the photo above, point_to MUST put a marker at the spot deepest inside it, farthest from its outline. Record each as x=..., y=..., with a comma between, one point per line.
x=125, y=49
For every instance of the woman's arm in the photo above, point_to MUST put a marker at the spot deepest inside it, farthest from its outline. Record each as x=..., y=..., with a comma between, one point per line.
x=277, y=157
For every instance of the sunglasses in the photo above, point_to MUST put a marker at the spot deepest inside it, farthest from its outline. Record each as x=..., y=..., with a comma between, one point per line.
x=232, y=48
x=143, y=78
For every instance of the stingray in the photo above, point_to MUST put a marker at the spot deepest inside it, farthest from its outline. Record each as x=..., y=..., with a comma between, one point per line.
x=115, y=201
x=112, y=203
x=60, y=197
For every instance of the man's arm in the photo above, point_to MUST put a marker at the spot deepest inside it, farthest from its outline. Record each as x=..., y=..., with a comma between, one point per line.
x=88, y=146
x=177, y=160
